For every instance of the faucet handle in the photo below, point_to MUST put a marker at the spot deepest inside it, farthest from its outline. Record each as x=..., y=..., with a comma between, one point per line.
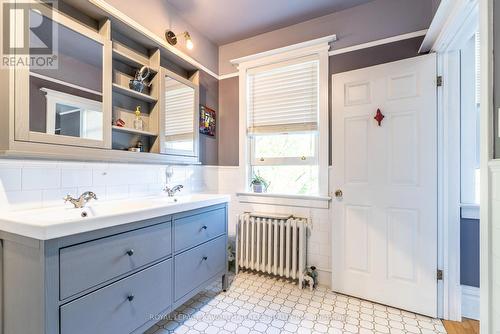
x=67, y=198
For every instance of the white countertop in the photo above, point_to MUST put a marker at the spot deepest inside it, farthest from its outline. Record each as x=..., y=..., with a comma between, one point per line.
x=56, y=222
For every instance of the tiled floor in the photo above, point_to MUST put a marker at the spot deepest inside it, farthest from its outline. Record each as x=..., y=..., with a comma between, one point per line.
x=261, y=304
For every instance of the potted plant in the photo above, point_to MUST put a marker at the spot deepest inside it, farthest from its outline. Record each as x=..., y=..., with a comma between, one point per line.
x=259, y=184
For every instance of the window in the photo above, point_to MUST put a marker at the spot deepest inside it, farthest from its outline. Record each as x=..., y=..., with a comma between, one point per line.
x=286, y=124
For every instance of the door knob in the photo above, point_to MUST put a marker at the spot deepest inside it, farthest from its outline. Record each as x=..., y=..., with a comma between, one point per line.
x=338, y=193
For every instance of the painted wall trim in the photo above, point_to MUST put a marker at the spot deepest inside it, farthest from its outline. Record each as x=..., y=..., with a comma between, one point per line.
x=103, y=5
x=451, y=16
x=356, y=47
x=379, y=42
x=470, y=211
x=471, y=302
x=289, y=48
x=318, y=202
x=227, y=76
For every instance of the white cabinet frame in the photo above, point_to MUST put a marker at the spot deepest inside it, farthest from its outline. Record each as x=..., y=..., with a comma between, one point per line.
x=21, y=89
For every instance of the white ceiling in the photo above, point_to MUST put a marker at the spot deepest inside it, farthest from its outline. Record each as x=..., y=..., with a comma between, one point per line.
x=225, y=21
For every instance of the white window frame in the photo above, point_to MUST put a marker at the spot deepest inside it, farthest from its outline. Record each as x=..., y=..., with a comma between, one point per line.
x=54, y=97
x=316, y=48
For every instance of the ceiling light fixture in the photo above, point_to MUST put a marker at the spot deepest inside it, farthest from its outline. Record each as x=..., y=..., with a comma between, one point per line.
x=172, y=38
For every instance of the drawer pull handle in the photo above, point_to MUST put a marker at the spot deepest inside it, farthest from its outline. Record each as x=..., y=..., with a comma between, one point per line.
x=130, y=298
x=204, y=227
x=130, y=252
x=204, y=258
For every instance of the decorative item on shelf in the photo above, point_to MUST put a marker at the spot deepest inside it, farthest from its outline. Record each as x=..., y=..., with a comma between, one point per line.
x=379, y=117
x=207, y=121
x=259, y=184
x=138, y=147
x=120, y=122
x=141, y=79
x=172, y=38
x=138, y=123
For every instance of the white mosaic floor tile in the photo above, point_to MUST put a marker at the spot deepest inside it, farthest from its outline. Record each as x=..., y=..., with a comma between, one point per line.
x=256, y=304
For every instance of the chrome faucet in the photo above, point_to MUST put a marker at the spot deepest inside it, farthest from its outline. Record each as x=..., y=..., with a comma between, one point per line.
x=171, y=191
x=82, y=200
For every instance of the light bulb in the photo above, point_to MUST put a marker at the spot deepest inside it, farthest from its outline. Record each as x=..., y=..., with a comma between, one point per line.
x=189, y=41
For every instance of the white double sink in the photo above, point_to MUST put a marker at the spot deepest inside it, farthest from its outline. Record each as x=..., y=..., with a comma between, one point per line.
x=56, y=222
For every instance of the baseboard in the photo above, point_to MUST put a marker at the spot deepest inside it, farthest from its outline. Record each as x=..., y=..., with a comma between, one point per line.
x=325, y=277
x=470, y=302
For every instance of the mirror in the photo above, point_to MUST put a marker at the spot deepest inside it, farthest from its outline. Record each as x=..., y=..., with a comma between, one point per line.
x=179, y=117
x=66, y=99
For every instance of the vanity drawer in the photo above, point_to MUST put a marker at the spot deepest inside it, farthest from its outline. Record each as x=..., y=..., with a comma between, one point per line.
x=88, y=264
x=109, y=310
x=194, y=230
x=199, y=264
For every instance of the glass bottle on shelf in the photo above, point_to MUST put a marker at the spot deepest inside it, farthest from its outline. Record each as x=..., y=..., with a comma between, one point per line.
x=138, y=123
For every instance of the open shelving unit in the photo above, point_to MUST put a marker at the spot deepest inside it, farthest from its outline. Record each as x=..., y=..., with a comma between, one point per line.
x=124, y=46
x=128, y=57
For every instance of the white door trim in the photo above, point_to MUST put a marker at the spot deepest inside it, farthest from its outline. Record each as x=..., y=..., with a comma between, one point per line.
x=451, y=26
x=449, y=291
x=487, y=136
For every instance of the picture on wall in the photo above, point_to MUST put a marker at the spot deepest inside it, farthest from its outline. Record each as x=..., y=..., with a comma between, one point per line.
x=207, y=121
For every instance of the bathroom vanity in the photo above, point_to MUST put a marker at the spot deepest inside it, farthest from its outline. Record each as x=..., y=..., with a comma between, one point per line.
x=114, y=267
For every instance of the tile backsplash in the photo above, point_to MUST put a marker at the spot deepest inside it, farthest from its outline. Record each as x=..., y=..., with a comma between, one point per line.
x=28, y=184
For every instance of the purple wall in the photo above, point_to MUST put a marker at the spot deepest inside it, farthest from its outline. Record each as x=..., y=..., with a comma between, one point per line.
x=158, y=16
x=375, y=20
x=228, y=122
x=209, y=96
x=469, y=252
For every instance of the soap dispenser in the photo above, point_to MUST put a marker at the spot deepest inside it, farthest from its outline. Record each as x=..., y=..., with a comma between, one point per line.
x=138, y=123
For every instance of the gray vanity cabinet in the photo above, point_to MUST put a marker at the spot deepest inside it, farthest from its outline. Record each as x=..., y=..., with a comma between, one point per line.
x=121, y=279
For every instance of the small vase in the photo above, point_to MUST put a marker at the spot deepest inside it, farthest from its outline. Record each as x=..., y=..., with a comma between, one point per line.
x=258, y=188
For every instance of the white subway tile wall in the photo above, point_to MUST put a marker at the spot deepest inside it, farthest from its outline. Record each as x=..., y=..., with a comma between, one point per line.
x=27, y=184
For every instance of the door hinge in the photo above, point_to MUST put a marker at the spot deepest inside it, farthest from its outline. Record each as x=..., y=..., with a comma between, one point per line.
x=439, y=81
x=439, y=275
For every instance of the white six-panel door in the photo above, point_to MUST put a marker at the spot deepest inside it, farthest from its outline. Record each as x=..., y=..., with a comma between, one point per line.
x=385, y=222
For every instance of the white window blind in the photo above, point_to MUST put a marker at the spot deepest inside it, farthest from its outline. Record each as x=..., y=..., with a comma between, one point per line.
x=179, y=109
x=284, y=98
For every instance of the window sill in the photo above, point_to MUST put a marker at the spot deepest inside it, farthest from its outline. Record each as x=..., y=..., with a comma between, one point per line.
x=469, y=211
x=305, y=201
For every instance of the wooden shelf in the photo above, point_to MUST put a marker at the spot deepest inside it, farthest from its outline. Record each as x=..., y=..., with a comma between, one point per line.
x=134, y=131
x=132, y=93
x=124, y=58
